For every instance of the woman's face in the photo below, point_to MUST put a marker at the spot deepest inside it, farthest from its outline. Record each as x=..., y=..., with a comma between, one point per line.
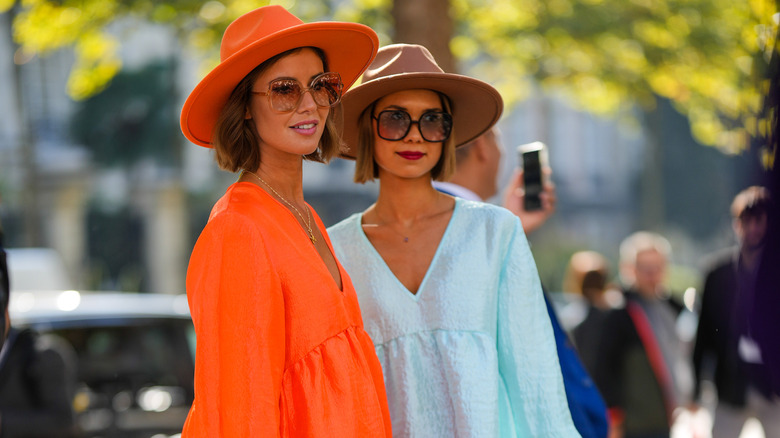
x=296, y=132
x=412, y=156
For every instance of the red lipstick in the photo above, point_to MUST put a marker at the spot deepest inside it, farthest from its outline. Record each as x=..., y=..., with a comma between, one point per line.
x=411, y=155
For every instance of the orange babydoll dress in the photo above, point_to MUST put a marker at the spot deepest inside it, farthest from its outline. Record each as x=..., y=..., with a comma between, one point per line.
x=281, y=351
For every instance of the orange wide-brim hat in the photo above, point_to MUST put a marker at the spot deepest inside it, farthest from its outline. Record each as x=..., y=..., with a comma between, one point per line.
x=260, y=35
x=476, y=105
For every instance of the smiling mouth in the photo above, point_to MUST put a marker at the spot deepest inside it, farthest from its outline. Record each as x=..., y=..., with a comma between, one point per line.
x=305, y=126
x=411, y=155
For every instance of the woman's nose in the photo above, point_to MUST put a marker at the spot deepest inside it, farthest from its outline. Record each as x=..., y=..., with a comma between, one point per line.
x=414, y=135
x=307, y=102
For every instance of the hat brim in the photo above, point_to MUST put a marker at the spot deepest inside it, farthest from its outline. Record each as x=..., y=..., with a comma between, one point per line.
x=349, y=49
x=476, y=106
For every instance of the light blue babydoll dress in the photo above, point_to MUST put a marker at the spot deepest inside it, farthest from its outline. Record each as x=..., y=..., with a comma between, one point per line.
x=472, y=353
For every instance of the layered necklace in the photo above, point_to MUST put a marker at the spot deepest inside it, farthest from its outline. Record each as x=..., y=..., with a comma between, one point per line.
x=306, y=221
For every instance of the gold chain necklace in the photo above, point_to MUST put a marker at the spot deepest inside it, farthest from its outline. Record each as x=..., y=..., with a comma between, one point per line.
x=307, y=221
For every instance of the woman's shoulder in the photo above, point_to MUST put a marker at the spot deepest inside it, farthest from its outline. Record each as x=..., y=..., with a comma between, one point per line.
x=241, y=200
x=345, y=227
x=240, y=214
x=485, y=214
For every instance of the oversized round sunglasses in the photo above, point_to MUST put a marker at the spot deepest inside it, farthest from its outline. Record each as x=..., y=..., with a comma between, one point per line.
x=286, y=94
x=394, y=125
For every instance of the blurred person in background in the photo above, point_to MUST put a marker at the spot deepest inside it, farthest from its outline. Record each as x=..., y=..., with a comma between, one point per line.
x=37, y=377
x=641, y=367
x=475, y=178
x=587, y=275
x=448, y=287
x=281, y=349
x=727, y=351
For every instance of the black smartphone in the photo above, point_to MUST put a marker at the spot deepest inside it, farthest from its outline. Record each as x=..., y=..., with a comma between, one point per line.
x=532, y=158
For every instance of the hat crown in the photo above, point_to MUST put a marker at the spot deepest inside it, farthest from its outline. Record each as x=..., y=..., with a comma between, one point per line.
x=255, y=26
x=401, y=58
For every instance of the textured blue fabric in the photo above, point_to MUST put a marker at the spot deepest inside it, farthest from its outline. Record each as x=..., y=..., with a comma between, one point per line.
x=472, y=353
x=588, y=409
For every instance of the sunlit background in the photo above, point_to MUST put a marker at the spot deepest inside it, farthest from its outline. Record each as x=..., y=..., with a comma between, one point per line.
x=654, y=113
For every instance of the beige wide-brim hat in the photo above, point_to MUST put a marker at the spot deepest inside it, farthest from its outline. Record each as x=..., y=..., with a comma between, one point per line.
x=260, y=35
x=476, y=105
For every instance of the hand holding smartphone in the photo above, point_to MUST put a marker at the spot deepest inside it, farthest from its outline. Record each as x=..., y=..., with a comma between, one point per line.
x=533, y=159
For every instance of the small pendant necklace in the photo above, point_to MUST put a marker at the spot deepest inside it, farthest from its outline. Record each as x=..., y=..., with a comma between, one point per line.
x=306, y=221
x=387, y=224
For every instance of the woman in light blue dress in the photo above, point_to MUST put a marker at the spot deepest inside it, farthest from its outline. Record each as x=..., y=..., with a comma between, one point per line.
x=448, y=289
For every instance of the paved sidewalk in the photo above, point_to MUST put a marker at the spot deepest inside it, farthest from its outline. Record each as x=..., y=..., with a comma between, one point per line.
x=699, y=424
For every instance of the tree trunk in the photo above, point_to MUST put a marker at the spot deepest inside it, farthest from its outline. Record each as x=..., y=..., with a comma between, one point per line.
x=428, y=23
x=652, y=214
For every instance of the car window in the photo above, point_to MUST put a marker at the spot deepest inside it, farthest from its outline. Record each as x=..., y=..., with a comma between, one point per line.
x=132, y=355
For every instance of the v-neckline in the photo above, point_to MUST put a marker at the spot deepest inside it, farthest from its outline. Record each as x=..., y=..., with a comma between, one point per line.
x=322, y=263
x=378, y=256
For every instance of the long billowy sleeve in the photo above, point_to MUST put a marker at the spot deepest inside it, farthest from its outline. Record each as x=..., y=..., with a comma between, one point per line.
x=237, y=307
x=527, y=357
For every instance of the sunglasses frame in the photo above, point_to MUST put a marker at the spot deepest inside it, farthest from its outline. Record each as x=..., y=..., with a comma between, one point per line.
x=304, y=90
x=412, y=122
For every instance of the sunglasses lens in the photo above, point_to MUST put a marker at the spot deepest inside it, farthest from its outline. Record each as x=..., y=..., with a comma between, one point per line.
x=393, y=125
x=326, y=89
x=435, y=126
x=285, y=94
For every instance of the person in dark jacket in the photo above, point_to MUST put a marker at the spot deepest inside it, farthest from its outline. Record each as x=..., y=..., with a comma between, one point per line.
x=36, y=384
x=641, y=367
x=728, y=348
x=587, y=275
x=35, y=388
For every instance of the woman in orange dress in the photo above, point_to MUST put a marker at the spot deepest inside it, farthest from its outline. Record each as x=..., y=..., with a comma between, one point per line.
x=281, y=349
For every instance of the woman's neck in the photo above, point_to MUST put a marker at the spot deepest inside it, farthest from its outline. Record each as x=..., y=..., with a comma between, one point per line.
x=283, y=176
x=407, y=200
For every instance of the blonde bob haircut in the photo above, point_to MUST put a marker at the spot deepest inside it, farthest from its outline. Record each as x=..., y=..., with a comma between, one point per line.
x=236, y=140
x=366, y=168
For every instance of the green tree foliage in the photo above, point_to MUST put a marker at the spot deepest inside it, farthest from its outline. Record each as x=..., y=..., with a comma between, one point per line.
x=709, y=57
x=42, y=26
x=131, y=118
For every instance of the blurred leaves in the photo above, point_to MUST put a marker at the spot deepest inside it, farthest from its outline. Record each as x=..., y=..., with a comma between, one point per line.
x=42, y=26
x=706, y=56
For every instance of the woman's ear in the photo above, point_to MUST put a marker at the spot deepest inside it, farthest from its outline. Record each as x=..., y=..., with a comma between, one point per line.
x=247, y=114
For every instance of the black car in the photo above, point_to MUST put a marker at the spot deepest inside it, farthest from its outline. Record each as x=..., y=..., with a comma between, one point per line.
x=134, y=357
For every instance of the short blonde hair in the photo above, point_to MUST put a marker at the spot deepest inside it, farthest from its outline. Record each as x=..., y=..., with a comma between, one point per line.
x=236, y=140
x=365, y=165
x=643, y=241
